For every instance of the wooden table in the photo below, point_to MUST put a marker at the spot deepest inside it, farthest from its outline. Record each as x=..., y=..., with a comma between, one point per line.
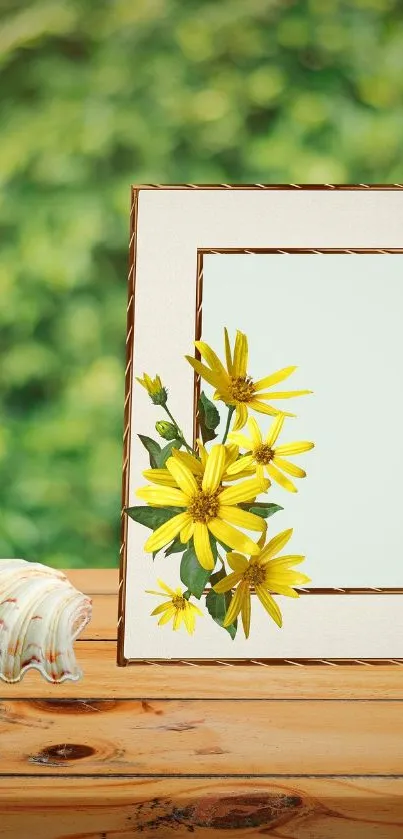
x=313, y=752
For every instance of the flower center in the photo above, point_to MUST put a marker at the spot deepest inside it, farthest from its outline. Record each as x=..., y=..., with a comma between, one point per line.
x=263, y=453
x=242, y=389
x=179, y=602
x=204, y=505
x=255, y=574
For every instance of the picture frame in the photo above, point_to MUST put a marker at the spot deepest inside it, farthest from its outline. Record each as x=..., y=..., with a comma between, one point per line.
x=173, y=231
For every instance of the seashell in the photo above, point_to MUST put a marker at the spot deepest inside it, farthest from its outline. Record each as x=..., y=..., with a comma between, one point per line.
x=41, y=614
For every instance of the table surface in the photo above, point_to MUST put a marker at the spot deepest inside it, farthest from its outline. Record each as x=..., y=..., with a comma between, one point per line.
x=295, y=752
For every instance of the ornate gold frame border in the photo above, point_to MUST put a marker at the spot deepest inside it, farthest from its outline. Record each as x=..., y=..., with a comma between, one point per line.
x=121, y=659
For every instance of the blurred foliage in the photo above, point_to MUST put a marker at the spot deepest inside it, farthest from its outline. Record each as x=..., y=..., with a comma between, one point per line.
x=94, y=96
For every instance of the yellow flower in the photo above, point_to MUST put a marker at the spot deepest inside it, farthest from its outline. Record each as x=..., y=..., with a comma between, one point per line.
x=234, y=469
x=265, y=574
x=265, y=457
x=208, y=507
x=177, y=607
x=234, y=386
x=154, y=388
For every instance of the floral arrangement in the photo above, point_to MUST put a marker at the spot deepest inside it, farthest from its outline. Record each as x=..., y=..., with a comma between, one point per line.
x=200, y=500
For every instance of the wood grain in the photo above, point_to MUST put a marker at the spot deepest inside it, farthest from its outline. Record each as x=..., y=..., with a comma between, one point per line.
x=103, y=624
x=201, y=737
x=93, y=580
x=103, y=679
x=94, y=808
x=311, y=752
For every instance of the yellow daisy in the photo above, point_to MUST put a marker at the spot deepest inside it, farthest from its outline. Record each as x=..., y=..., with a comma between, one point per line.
x=208, y=507
x=234, y=386
x=177, y=607
x=264, y=457
x=264, y=574
x=234, y=469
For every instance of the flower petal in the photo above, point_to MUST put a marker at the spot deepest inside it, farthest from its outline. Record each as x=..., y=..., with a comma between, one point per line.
x=187, y=532
x=189, y=460
x=183, y=476
x=269, y=604
x=260, y=475
x=203, y=453
x=241, y=440
x=190, y=620
x=287, y=591
x=162, y=607
x=261, y=540
x=275, y=545
x=164, y=534
x=211, y=357
x=164, y=496
x=294, y=448
x=211, y=377
x=165, y=587
x=231, y=454
x=290, y=578
x=241, y=415
x=240, y=362
x=280, y=478
x=255, y=433
x=279, y=376
x=245, y=613
x=288, y=467
x=178, y=618
x=202, y=546
x=160, y=476
x=246, y=473
x=283, y=394
x=166, y=616
x=274, y=430
x=285, y=562
x=244, y=491
x=242, y=518
x=228, y=356
x=261, y=408
x=214, y=468
x=232, y=537
x=237, y=562
x=227, y=583
x=236, y=603
x=243, y=463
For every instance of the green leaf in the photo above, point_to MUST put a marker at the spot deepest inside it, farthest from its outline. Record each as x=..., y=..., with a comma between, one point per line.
x=209, y=418
x=261, y=508
x=192, y=574
x=166, y=452
x=175, y=547
x=153, y=517
x=217, y=605
x=153, y=449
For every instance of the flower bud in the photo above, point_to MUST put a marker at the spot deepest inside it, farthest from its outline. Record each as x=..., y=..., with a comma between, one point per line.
x=167, y=430
x=157, y=393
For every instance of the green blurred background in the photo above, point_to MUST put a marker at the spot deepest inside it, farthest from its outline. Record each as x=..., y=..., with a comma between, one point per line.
x=95, y=96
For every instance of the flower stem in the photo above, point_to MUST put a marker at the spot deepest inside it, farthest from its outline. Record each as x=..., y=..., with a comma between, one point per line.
x=231, y=409
x=179, y=430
